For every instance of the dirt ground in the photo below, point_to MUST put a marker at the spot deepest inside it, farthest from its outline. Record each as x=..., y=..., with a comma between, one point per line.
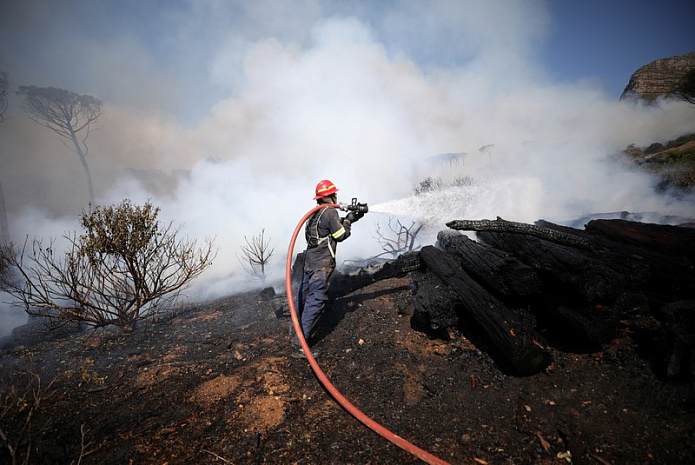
x=216, y=384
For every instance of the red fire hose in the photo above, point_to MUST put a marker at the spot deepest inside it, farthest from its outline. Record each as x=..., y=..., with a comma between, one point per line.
x=354, y=411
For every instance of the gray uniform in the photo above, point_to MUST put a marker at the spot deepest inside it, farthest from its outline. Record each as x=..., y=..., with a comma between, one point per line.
x=323, y=231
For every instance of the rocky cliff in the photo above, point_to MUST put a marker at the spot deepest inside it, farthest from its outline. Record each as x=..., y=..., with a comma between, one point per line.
x=658, y=78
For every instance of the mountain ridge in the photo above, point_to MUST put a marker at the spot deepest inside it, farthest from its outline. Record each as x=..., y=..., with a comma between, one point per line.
x=659, y=78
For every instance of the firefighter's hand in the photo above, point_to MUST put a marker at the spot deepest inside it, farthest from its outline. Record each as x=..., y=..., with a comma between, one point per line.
x=354, y=216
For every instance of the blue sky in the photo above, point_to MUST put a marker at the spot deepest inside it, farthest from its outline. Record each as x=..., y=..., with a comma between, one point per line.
x=181, y=43
x=608, y=40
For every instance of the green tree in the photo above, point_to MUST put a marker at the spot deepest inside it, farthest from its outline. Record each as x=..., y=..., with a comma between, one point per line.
x=69, y=115
x=124, y=268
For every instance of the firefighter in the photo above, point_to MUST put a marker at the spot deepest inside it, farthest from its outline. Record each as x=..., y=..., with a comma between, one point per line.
x=324, y=229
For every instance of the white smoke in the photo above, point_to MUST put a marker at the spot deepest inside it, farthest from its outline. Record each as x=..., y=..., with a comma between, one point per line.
x=229, y=127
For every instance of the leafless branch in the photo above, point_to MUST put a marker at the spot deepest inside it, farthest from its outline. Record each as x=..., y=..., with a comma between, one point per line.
x=20, y=400
x=255, y=255
x=401, y=238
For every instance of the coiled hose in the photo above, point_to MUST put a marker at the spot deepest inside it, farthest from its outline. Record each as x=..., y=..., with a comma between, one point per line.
x=354, y=411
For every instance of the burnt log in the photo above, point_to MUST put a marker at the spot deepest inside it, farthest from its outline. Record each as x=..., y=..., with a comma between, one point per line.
x=629, y=276
x=500, y=272
x=579, y=274
x=582, y=293
x=508, y=278
x=669, y=252
x=675, y=241
x=500, y=225
x=437, y=307
x=512, y=340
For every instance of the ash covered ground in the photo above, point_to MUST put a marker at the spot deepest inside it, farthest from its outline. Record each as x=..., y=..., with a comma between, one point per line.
x=216, y=384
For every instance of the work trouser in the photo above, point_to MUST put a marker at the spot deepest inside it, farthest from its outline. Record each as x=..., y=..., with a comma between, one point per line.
x=311, y=300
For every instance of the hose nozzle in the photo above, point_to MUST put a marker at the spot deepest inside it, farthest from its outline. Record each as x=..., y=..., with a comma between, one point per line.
x=354, y=206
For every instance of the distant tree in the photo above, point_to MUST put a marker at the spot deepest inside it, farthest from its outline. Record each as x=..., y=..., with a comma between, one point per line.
x=69, y=115
x=120, y=271
x=401, y=239
x=255, y=255
x=487, y=150
x=4, y=225
x=686, y=88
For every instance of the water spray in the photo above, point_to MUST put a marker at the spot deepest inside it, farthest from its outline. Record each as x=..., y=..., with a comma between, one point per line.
x=381, y=208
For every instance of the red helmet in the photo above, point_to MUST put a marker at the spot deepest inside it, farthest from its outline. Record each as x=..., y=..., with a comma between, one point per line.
x=324, y=189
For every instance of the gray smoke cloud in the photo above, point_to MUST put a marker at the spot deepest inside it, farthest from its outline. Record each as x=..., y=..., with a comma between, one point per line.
x=229, y=120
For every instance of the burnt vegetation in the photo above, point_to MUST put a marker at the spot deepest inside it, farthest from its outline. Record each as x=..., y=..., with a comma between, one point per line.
x=531, y=343
x=255, y=255
x=127, y=266
x=527, y=345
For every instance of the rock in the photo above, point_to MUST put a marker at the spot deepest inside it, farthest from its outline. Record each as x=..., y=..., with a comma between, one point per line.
x=267, y=294
x=658, y=78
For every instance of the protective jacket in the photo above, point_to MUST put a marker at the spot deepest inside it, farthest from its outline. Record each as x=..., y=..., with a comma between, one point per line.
x=324, y=230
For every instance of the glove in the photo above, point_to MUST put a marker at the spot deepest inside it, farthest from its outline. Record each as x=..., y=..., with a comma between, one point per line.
x=354, y=216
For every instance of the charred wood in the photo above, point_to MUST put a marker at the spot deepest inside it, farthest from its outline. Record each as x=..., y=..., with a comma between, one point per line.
x=500, y=272
x=297, y=270
x=437, y=306
x=512, y=340
x=576, y=273
x=669, y=240
x=501, y=225
x=667, y=251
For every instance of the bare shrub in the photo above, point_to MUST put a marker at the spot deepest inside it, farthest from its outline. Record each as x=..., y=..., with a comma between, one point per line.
x=399, y=240
x=255, y=255
x=124, y=268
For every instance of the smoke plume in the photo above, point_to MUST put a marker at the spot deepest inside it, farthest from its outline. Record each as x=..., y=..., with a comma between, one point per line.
x=229, y=120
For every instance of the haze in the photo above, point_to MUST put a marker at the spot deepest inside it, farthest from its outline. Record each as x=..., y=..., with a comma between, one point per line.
x=227, y=114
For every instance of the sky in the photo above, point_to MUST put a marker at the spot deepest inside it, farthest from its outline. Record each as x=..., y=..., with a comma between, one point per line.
x=227, y=113
x=184, y=56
